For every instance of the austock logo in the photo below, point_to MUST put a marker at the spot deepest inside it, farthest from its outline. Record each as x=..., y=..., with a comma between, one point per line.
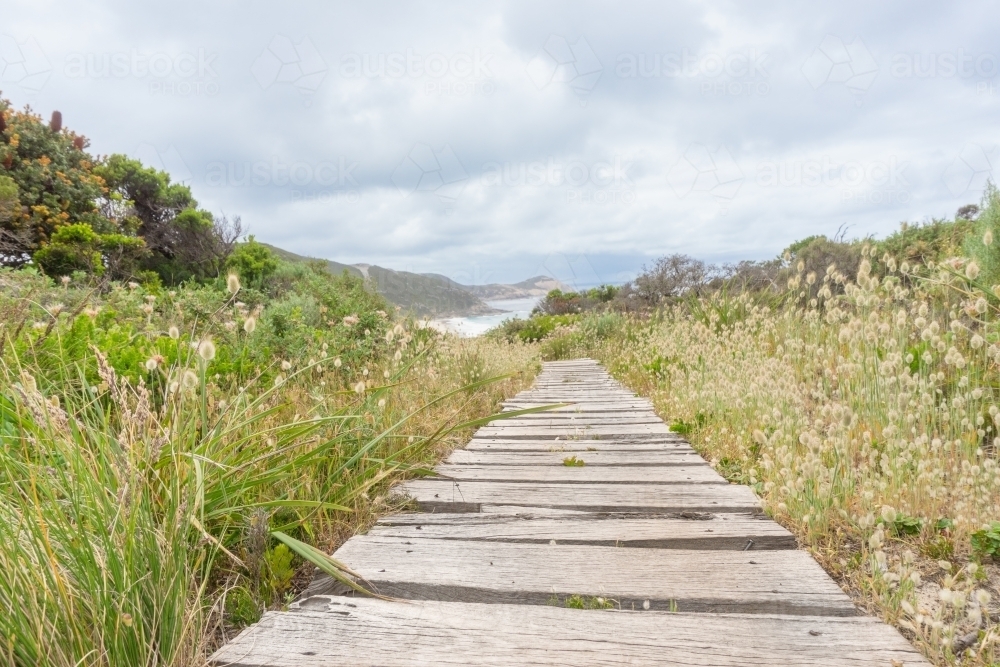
x=859, y=181
x=427, y=170
x=283, y=61
x=181, y=74
x=971, y=170
x=168, y=160
x=600, y=182
x=326, y=180
x=706, y=170
x=834, y=62
x=23, y=63
x=575, y=65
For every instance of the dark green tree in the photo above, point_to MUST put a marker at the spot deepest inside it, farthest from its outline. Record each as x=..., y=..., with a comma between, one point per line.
x=184, y=242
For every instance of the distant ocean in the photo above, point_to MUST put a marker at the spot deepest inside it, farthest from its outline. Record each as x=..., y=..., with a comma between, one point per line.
x=477, y=325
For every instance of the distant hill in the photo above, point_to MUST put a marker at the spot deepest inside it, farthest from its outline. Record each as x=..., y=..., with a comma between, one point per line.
x=335, y=267
x=426, y=294
x=537, y=286
x=432, y=294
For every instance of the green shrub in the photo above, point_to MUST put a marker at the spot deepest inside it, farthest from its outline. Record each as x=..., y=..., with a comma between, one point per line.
x=926, y=242
x=71, y=248
x=254, y=262
x=986, y=229
x=561, y=346
x=986, y=541
x=540, y=326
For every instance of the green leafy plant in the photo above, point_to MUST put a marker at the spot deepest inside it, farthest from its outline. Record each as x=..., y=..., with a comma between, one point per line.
x=242, y=607
x=986, y=541
x=573, y=462
x=686, y=428
x=681, y=427
x=904, y=525
x=944, y=524
x=280, y=571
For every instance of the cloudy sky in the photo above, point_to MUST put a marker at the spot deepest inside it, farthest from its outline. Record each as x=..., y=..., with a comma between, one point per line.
x=494, y=141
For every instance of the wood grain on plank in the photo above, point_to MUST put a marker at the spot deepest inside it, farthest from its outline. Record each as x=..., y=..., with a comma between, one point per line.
x=599, y=407
x=582, y=430
x=341, y=632
x=777, y=581
x=563, y=474
x=665, y=443
x=591, y=457
x=449, y=496
x=575, y=420
x=734, y=532
x=618, y=414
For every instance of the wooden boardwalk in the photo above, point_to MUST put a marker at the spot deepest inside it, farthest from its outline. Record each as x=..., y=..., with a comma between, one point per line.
x=509, y=539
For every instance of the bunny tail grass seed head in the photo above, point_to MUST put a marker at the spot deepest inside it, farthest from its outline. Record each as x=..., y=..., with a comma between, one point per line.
x=189, y=380
x=206, y=349
x=972, y=271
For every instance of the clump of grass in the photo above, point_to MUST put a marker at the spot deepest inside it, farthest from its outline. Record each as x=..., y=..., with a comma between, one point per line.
x=573, y=462
x=582, y=602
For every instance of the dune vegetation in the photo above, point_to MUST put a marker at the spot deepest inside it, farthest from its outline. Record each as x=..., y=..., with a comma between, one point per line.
x=168, y=457
x=862, y=405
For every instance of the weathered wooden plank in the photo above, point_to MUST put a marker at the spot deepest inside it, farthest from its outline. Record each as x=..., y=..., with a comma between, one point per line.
x=578, y=445
x=579, y=421
x=566, y=413
x=580, y=395
x=763, y=582
x=561, y=409
x=536, y=431
x=585, y=392
x=592, y=458
x=575, y=434
x=734, y=532
x=610, y=392
x=638, y=403
x=447, y=496
x=343, y=632
x=595, y=409
x=563, y=474
x=590, y=379
x=631, y=439
x=570, y=383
